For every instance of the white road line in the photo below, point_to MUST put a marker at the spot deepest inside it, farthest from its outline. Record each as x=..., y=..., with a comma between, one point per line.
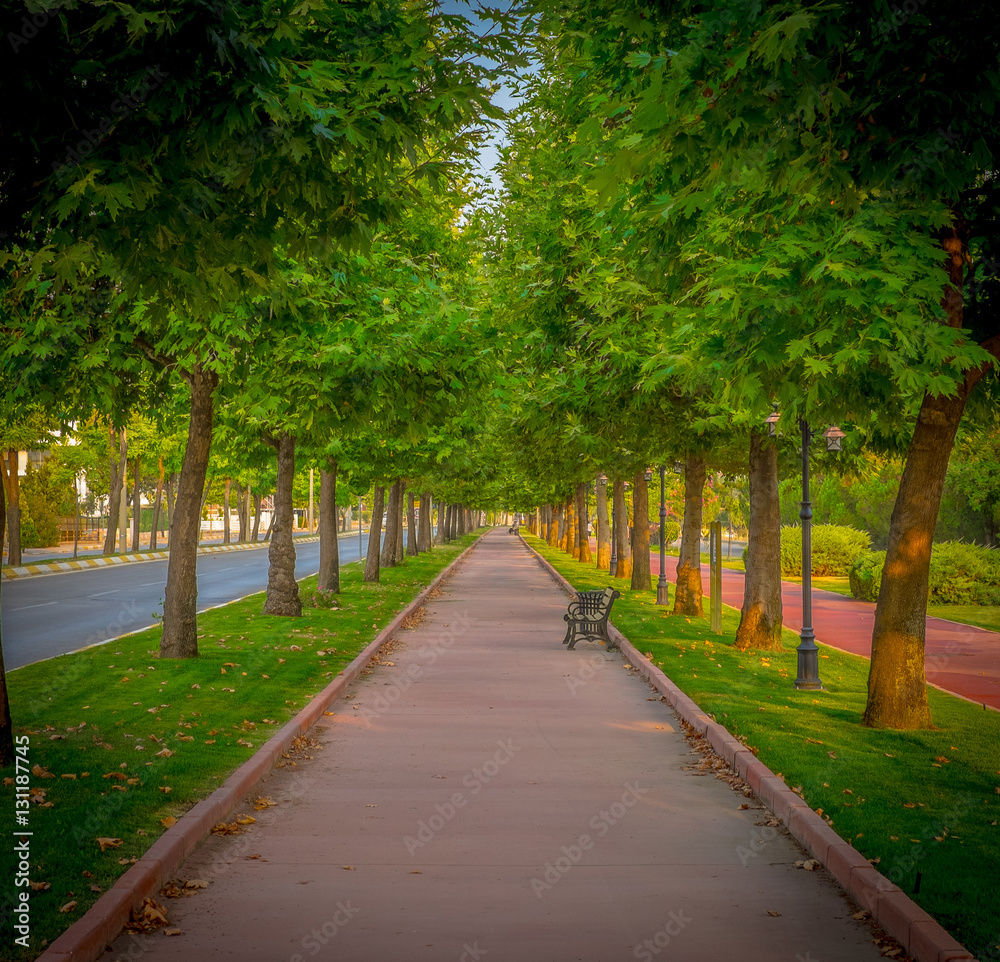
x=43, y=604
x=111, y=592
x=150, y=584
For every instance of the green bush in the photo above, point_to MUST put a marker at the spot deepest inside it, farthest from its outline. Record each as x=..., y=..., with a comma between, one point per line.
x=865, y=575
x=961, y=574
x=834, y=548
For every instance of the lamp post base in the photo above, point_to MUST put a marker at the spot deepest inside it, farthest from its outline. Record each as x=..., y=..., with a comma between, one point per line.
x=662, y=594
x=808, y=667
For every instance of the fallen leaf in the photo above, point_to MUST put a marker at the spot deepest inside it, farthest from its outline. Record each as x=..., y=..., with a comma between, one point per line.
x=40, y=772
x=168, y=821
x=773, y=914
x=349, y=868
x=41, y=886
x=69, y=775
x=245, y=820
x=69, y=907
x=107, y=843
x=171, y=931
x=196, y=883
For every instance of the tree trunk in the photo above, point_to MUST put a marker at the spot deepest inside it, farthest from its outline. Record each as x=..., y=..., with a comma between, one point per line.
x=583, y=522
x=449, y=518
x=226, y=533
x=388, y=557
x=282, y=588
x=136, y=511
x=115, y=486
x=328, y=576
x=12, y=494
x=154, y=527
x=400, y=509
x=424, y=525
x=641, y=577
x=572, y=528
x=462, y=519
x=442, y=512
x=897, y=687
x=204, y=501
x=760, y=619
x=623, y=541
x=123, y=506
x=603, y=529
x=168, y=503
x=375, y=535
x=257, y=511
x=687, y=600
x=180, y=603
x=3, y=500
x=411, y=526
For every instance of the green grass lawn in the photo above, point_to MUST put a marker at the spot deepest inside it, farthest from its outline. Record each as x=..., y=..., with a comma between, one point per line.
x=124, y=742
x=923, y=802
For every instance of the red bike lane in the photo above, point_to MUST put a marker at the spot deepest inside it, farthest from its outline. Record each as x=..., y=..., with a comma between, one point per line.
x=960, y=659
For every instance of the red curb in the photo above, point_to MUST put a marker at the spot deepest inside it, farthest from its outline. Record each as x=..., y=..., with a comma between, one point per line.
x=868, y=885
x=86, y=939
x=891, y=908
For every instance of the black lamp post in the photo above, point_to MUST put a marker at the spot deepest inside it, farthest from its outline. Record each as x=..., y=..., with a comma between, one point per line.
x=661, y=582
x=807, y=653
x=613, y=561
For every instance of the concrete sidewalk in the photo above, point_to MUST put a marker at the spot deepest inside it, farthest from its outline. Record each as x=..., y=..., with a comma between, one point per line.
x=487, y=794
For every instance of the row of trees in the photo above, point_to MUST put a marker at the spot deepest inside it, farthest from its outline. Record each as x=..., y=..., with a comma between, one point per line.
x=705, y=212
x=712, y=213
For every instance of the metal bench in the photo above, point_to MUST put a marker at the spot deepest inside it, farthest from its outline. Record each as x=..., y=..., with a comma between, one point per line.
x=587, y=617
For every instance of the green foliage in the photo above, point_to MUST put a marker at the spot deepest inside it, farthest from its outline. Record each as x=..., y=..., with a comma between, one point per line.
x=44, y=499
x=671, y=531
x=960, y=574
x=834, y=548
x=865, y=575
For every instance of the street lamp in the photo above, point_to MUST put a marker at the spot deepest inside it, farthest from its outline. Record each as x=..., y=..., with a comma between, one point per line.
x=661, y=582
x=807, y=653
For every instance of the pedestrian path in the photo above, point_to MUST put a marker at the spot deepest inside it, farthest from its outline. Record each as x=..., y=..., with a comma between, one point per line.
x=486, y=794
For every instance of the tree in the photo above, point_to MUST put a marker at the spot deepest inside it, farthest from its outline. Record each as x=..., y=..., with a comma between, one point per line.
x=256, y=137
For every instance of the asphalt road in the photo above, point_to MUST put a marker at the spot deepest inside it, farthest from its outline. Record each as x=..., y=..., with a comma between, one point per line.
x=48, y=615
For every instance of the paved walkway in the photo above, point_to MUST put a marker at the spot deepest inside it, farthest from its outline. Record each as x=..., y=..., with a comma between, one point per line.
x=958, y=658
x=491, y=795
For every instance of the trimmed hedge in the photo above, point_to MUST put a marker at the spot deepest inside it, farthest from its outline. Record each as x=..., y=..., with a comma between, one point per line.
x=961, y=574
x=834, y=548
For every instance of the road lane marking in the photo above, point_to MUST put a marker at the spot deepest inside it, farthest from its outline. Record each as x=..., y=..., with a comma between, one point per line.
x=43, y=604
x=111, y=592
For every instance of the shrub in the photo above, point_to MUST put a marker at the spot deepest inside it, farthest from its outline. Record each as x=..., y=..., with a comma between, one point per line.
x=961, y=574
x=865, y=575
x=671, y=530
x=834, y=548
